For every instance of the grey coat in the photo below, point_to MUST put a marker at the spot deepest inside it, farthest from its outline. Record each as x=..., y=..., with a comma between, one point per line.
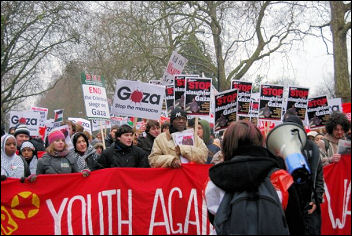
x=50, y=164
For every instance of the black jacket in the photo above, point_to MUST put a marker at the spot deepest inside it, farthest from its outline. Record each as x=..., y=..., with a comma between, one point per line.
x=312, y=155
x=119, y=155
x=108, y=141
x=146, y=143
x=247, y=170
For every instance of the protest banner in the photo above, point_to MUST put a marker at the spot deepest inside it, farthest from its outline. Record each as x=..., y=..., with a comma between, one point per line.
x=271, y=99
x=145, y=201
x=197, y=96
x=94, y=96
x=336, y=208
x=346, y=108
x=30, y=119
x=137, y=99
x=225, y=108
x=174, y=66
x=169, y=98
x=297, y=101
x=318, y=112
x=83, y=122
x=244, y=96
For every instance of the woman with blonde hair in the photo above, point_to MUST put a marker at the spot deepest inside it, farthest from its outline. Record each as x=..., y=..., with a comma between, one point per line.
x=58, y=159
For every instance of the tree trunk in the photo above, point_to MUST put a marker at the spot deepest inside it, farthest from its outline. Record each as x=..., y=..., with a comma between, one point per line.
x=337, y=27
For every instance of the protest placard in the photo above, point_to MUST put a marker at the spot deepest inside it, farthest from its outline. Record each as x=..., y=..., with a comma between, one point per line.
x=137, y=99
x=94, y=96
x=197, y=96
x=179, y=90
x=169, y=98
x=83, y=122
x=318, y=111
x=271, y=99
x=31, y=119
x=174, y=66
x=297, y=101
x=225, y=108
x=43, y=114
x=244, y=96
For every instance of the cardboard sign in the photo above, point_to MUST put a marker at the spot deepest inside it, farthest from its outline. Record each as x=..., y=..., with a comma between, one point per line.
x=180, y=88
x=85, y=123
x=31, y=119
x=43, y=114
x=318, y=112
x=137, y=99
x=94, y=96
x=335, y=104
x=169, y=98
x=271, y=99
x=104, y=123
x=297, y=101
x=244, y=95
x=174, y=66
x=225, y=108
x=197, y=96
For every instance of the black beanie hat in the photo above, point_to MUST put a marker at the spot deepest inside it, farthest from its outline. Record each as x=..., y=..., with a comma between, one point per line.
x=294, y=119
x=177, y=112
x=22, y=129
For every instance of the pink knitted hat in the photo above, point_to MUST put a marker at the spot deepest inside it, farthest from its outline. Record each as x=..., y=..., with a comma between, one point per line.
x=55, y=135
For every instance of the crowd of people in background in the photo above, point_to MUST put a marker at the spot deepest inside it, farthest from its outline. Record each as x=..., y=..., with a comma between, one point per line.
x=236, y=154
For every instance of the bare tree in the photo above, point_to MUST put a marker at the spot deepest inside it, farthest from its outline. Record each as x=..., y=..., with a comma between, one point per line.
x=332, y=23
x=30, y=32
x=339, y=28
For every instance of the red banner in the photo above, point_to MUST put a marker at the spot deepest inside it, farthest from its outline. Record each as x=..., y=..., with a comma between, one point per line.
x=109, y=201
x=336, y=209
x=139, y=201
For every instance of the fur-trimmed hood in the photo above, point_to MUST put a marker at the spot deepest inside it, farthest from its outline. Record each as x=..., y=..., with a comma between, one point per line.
x=246, y=170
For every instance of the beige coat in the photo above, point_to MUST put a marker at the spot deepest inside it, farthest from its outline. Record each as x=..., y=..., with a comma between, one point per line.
x=164, y=152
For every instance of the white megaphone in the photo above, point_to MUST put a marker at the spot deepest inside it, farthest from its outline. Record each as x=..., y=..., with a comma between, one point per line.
x=287, y=140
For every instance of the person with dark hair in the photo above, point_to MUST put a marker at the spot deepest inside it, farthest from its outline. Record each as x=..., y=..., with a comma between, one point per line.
x=12, y=130
x=165, y=153
x=336, y=127
x=152, y=130
x=84, y=152
x=311, y=193
x=99, y=148
x=29, y=153
x=247, y=163
x=203, y=132
x=123, y=153
x=110, y=138
x=165, y=126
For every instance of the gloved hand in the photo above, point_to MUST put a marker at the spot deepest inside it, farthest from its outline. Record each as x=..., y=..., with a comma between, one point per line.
x=32, y=178
x=85, y=172
x=3, y=177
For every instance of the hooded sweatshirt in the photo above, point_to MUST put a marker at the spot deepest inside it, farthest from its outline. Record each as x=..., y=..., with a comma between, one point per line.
x=12, y=166
x=212, y=148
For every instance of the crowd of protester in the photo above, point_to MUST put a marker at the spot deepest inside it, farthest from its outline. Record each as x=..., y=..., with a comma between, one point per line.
x=240, y=161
